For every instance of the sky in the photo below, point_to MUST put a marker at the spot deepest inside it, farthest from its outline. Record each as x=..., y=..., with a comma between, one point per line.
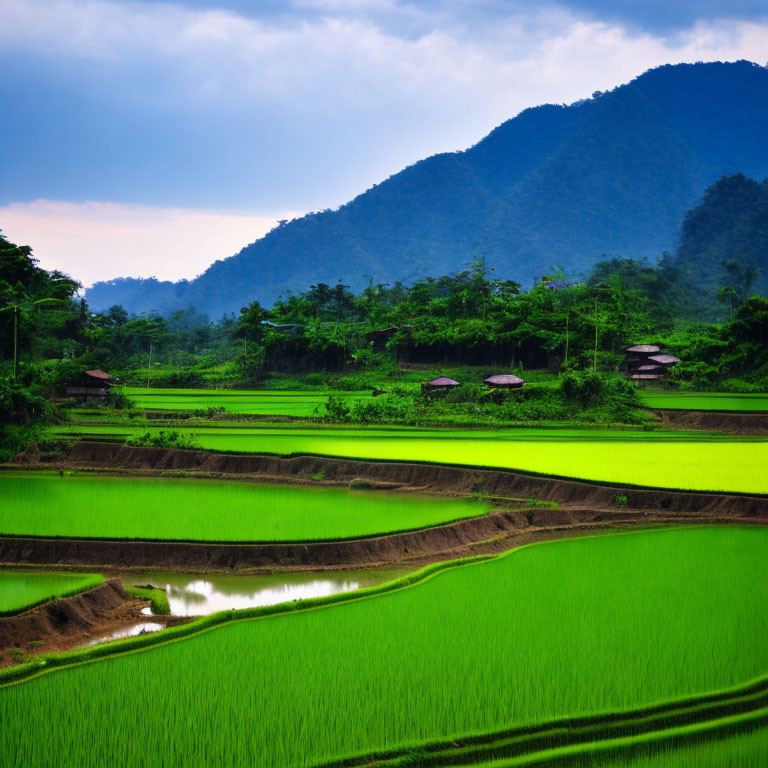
x=152, y=138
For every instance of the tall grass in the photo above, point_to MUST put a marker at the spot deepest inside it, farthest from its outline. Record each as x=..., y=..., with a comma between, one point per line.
x=20, y=590
x=45, y=504
x=667, y=460
x=550, y=630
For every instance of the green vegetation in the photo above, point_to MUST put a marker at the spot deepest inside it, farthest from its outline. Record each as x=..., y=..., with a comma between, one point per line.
x=688, y=461
x=268, y=403
x=158, y=598
x=611, y=174
x=748, y=750
x=560, y=629
x=576, y=396
x=711, y=401
x=160, y=438
x=20, y=590
x=565, y=337
x=208, y=510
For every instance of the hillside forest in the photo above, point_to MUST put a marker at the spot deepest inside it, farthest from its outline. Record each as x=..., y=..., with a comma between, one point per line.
x=567, y=334
x=612, y=174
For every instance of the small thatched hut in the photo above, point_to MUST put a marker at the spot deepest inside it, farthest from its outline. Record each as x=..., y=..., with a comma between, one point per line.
x=665, y=361
x=380, y=337
x=646, y=362
x=440, y=384
x=504, y=381
x=91, y=384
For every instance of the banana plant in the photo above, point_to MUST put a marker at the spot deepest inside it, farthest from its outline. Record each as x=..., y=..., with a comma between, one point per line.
x=24, y=306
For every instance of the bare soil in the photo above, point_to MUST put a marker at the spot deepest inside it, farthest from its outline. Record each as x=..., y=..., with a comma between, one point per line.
x=72, y=621
x=734, y=423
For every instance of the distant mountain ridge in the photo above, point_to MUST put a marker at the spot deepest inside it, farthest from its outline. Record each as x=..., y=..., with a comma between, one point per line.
x=724, y=240
x=614, y=174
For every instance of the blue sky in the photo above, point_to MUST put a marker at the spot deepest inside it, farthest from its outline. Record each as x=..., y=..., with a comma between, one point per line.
x=145, y=138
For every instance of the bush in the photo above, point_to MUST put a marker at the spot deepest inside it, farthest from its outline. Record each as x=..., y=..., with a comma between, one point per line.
x=23, y=414
x=118, y=400
x=163, y=439
x=385, y=409
x=336, y=407
x=583, y=388
x=589, y=389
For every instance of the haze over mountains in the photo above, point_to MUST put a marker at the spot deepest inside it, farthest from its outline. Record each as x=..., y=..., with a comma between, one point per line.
x=614, y=174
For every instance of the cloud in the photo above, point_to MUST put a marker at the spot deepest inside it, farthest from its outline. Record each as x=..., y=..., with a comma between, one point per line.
x=276, y=106
x=101, y=240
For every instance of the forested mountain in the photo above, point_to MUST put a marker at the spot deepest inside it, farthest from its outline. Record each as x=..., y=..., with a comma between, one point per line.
x=724, y=244
x=613, y=174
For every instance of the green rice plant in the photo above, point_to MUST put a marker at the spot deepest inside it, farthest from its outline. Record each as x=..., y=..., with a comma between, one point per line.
x=20, y=590
x=746, y=750
x=258, y=402
x=688, y=461
x=709, y=401
x=562, y=629
x=46, y=504
x=158, y=598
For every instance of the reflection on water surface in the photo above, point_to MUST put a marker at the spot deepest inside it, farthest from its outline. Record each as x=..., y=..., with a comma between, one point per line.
x=196, y=594
x=133, y=629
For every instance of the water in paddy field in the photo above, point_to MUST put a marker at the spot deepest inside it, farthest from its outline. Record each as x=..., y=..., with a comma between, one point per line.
x=200, y=594
x=133, y=629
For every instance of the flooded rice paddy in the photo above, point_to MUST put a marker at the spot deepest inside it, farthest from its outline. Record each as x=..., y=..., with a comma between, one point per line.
x=202, y=594
x=103, y=507
x=681, y=460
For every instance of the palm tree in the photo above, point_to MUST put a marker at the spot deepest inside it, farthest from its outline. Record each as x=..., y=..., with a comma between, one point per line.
x=25, y=306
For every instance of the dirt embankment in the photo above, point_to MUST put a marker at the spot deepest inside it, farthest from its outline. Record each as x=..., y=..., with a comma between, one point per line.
x=427, y=478
x=715, y=421
x=491, y=532
x=72, y=621
x=584, y=507
x=60, y=622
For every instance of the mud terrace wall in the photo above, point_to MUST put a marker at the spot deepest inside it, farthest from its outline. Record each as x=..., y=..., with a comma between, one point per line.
x=582, y=505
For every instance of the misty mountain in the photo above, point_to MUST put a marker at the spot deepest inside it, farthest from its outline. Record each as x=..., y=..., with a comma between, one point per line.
x=724, y=242
x=613, y=174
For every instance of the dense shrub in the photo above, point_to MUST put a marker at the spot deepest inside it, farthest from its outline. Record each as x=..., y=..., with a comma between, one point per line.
x=163, y=439
x=385, y=409
x=23, y=414
x=336, y=407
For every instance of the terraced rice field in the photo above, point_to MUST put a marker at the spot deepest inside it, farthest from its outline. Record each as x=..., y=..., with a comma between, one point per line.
x=748, y=750
x=259, y=402
x=709, y=401
x=687, y=461
x=44, y=504
x=20, y=590
x=564, y=628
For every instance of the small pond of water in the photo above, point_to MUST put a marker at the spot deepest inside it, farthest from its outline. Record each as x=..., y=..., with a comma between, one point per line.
x=197, y=595
x=130, y=631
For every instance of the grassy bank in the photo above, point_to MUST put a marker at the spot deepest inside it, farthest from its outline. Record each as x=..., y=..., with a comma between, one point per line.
x=546, y=631
x=748, y=750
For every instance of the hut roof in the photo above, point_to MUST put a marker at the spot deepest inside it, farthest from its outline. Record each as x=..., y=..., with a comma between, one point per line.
x=644, y=348
x=382, y=332
x=504, y=379
x=96, y=373
x=443, y=381
x=646, y=376
x=648, y=368
x=665, y=359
